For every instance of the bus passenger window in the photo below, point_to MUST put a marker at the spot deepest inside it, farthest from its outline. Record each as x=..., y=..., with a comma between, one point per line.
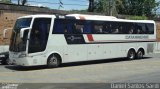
x=121, y=29
x=65, y=29
x=98, y=29
x=105, y=29
x=139, y=30
x=78, y=28
x=131, y=31
x=58, y=26
x=149, y=28
x=115, y=30
x=87, y=27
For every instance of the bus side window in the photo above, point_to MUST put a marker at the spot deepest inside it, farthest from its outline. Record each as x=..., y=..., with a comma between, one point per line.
x=70, y=26
x=78, y=28
x=138, y=29
x=98, y=28
x=58, y=26
x=120, y=29
x=87, y=27
x=149, y=28
x=115, y=29
x=106, y=29
x=131, y=29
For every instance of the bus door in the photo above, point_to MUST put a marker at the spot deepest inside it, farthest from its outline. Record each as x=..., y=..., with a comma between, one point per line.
x=39, y=35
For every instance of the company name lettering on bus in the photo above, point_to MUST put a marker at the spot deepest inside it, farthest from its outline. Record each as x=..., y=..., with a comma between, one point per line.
x=72, y=38
x=136, y=37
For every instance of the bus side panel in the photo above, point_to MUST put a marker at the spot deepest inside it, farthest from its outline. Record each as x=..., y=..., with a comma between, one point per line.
x=68, y=52
x=104, y=51
x=74, y=53
x=56, y=44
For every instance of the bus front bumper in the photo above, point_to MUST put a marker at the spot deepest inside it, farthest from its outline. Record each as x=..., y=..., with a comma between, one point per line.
x=19, y=61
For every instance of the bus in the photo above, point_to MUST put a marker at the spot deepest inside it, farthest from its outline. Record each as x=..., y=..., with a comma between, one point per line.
x=55, y=39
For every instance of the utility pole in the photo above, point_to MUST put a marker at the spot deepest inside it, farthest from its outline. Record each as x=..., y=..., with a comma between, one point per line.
x=60, y=4
x=111, y=7
x=18, y=2
x=91, y=6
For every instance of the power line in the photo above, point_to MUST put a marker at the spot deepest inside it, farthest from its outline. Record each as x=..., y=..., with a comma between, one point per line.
x=81, y=0
x=67, y=4
x=60, y=4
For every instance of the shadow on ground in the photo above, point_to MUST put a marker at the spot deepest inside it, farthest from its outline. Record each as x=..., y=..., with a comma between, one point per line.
x=21, y=68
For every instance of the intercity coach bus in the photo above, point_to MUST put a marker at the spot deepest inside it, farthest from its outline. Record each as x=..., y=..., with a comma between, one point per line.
x=54, y=39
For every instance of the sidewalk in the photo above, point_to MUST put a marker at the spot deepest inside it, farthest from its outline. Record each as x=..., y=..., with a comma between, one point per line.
x=157, y=47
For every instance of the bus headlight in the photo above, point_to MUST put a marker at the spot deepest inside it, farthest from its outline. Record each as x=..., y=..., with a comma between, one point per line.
x=22, y=55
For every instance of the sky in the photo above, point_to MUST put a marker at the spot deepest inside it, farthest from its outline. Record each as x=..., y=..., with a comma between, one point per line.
x=54, y=4
x=67, y=4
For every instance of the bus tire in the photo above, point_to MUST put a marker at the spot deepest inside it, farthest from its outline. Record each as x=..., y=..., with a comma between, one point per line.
x=140, y=54
x=3, y=61
x=131, y=54
x=6, y=61
x=53, y=61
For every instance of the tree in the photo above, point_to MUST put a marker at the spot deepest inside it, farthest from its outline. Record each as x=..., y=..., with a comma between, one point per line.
x=101, y=6
x=5, y=1
x=126, y=7
x=91, y=6
x=137, y=7
x=22, y=2
x=107, y=6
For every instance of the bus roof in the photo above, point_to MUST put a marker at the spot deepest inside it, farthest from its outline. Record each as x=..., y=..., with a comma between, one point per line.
x=80, y=16
x=90, y=17
x=37, y=15
x=106, y=18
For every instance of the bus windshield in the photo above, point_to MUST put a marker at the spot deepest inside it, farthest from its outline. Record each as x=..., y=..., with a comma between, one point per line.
x=18, y=44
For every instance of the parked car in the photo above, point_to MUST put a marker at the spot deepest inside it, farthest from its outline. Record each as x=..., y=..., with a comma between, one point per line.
x=4, y=55
x=4, y=58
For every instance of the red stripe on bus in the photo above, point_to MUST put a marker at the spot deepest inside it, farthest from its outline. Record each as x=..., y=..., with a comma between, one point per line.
x=90, y=37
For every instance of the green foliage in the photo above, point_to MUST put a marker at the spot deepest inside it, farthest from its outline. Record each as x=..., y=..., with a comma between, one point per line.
x=126, y=7
x=137, y=17
x=137, y=7
x=102, y=6
x=107, y=7
x=5, y=1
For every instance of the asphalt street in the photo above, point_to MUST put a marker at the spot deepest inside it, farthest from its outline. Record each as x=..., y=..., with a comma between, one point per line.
x=96, y=73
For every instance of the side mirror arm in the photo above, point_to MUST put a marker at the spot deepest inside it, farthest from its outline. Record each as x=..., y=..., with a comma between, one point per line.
x=22, y=32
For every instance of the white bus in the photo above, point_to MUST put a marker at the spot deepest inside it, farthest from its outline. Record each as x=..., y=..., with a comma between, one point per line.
x=53, y=39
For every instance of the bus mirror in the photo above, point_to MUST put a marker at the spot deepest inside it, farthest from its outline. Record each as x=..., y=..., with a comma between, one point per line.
x=23, y=31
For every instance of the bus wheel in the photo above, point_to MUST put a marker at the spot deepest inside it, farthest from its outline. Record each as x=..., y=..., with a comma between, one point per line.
x=8, y=62
x=140, y=54
x=53, y=61
x=131, y=54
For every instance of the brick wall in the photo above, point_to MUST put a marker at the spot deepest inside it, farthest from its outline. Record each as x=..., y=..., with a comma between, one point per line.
x=9, y=13
x=7, y=21
x=158, y=30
